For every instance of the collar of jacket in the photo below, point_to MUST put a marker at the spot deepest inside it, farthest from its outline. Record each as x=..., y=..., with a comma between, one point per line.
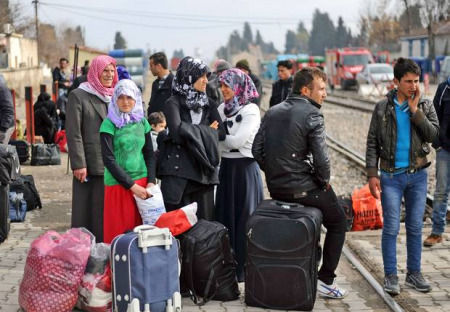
x=295, y=96
x=167, y=84
x=288, y=81
x=390, y=96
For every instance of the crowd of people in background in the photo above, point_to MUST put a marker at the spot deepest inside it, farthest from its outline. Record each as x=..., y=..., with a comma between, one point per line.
x=202, y=139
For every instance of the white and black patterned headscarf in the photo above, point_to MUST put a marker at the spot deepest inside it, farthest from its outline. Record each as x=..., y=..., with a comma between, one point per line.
x=188, y=72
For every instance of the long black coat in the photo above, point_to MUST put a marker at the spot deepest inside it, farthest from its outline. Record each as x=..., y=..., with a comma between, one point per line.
x=189, y=152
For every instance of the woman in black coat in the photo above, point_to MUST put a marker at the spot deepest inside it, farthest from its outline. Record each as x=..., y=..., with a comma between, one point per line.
x=189, y=154
x=45, y=118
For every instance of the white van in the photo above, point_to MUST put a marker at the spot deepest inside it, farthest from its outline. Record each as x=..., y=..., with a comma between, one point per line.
x=445, y=69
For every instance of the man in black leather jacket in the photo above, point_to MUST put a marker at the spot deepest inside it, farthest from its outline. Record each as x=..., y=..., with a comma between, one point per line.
x=291, y=149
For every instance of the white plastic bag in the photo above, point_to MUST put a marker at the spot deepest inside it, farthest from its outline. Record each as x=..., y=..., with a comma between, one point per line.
x=152, y=207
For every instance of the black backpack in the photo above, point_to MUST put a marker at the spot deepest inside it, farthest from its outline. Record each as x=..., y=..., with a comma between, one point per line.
x=25, y=184
x=23, y=149
x=208, y=267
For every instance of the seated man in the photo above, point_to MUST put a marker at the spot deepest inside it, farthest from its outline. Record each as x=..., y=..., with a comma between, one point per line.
x=290, y=148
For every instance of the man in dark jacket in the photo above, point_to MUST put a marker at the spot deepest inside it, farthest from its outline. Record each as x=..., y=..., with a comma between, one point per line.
x=282, y=87
x=442, y=145
x=212, y=87
x=6, y=114
x=245, y=67
x=290, y=147
x=61, y=75
x=162, y=86
x=402, y=125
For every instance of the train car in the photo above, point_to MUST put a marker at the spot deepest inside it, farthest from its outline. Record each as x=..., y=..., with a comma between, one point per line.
x=310, y=61
x=270, y=69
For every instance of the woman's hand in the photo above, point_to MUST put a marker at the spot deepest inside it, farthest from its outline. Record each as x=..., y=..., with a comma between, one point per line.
x=148, y=186
x=80, y=174
x=139, y=191
x=214, y=125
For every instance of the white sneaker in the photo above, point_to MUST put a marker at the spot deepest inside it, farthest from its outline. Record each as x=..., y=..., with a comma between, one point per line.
x=331, y=291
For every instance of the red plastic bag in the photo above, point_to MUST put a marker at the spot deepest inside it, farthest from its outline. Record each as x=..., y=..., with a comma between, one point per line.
x=180, y=220
x=61, y=140
x=368, y=214
x=53, y=271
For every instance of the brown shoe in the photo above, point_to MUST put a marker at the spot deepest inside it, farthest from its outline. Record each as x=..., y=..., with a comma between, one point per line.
x=432, y=240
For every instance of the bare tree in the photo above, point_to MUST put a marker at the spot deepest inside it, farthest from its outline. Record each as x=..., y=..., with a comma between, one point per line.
x=22, y=23
x=432, y=12
x=407, y=4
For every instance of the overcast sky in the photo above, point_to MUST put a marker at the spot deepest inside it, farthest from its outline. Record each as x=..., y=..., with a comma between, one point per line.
x=196, y=26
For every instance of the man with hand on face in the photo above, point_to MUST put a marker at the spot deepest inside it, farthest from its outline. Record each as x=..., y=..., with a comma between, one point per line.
x=290, y=147
x=282, y=87
x=397, y=145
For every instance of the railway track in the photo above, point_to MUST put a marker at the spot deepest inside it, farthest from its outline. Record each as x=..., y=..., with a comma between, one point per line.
x=398, y=303
x=345, y=99
x=395, y=303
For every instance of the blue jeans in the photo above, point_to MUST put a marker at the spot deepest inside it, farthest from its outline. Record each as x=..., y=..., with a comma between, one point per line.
x=413, y=187
x=442, y=191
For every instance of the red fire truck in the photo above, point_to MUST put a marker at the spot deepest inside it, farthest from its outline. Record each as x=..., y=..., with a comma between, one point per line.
x=344, y=63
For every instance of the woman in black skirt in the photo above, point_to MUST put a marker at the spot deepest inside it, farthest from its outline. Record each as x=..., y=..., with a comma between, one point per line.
x=189, y=155
x=240, y=189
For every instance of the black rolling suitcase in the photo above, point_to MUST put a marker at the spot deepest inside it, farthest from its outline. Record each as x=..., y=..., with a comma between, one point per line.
x=4, y=212
x=283, y=252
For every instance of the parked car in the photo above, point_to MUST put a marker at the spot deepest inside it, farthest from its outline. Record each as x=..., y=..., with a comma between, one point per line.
x=375, y=73
x=445, y=69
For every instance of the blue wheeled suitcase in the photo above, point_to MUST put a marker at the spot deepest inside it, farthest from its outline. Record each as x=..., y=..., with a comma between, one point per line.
x=145, y=271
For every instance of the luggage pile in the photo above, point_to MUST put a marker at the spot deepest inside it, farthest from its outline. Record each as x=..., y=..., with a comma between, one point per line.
x=149, y=269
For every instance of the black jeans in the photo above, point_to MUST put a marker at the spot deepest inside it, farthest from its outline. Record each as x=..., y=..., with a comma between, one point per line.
x=334, y=221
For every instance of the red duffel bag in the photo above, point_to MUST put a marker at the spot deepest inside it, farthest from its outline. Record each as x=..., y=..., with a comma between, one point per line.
x=53, y=271
x=61, y=140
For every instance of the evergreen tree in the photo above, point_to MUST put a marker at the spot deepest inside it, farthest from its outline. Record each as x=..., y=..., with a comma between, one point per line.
x=303, y=38
x=120, y=42
x=291, y=46
x=235, y=43
x=259, y=40
x=323, y=34
x=178, y=54
x=341, y=34
x=247, y=35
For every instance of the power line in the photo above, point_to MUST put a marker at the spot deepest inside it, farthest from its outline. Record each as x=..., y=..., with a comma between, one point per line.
x=147, y=25
x=187, y=17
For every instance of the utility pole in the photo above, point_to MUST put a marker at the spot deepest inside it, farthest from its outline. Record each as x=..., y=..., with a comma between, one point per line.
x=37, y=28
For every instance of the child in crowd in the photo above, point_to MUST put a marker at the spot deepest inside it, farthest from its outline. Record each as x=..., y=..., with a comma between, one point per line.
x=127, y=153
x=158, y=122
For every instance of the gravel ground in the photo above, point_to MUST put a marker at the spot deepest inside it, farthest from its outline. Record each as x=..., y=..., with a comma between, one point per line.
x=351, y=127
